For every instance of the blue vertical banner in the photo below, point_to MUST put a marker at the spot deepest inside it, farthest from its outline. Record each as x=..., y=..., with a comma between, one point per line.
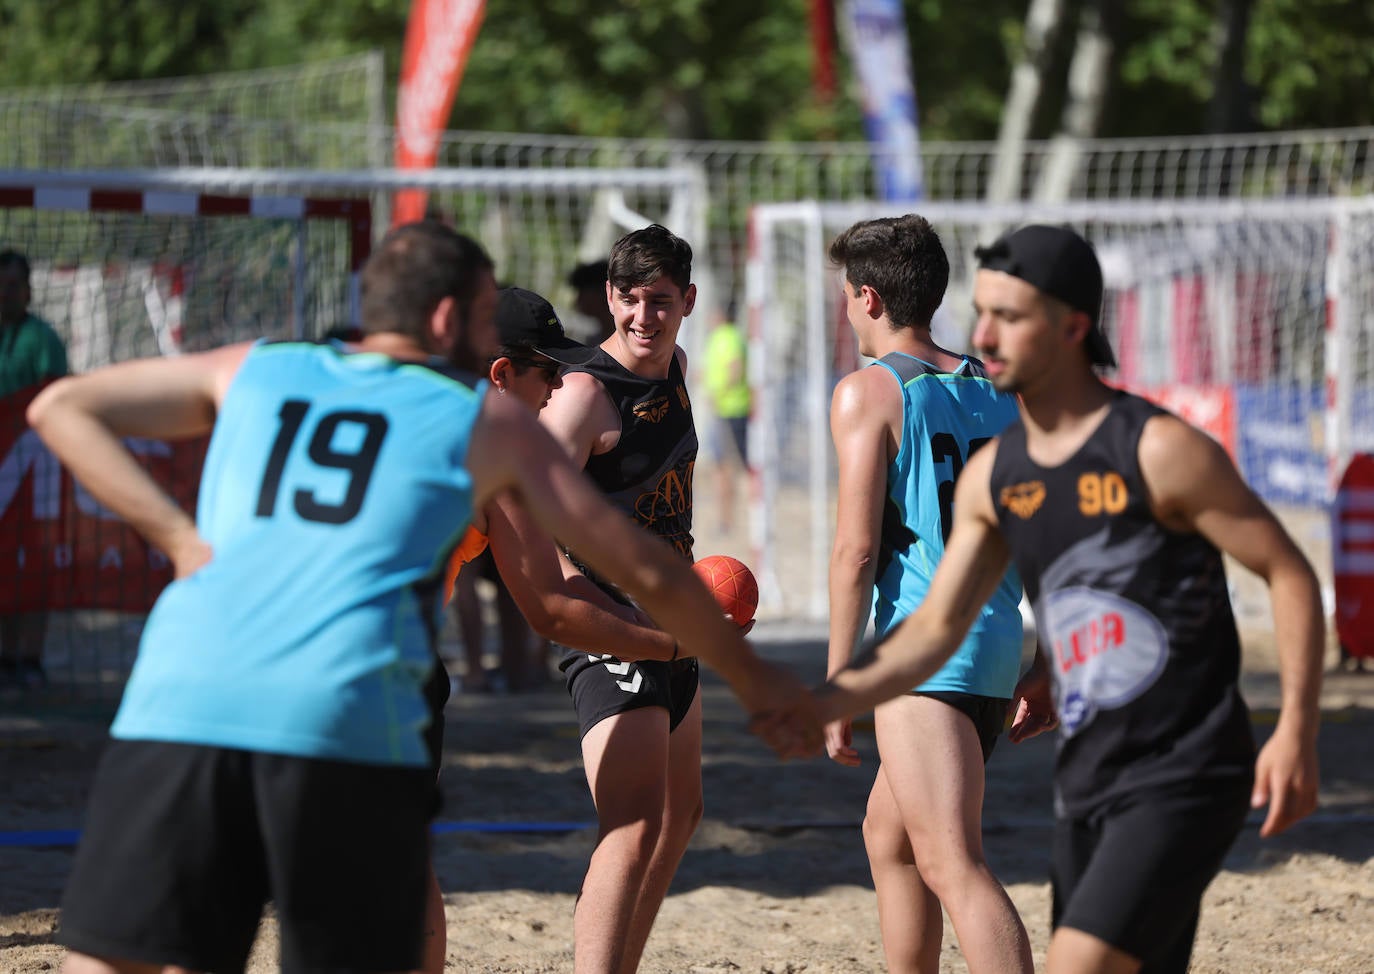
x=875, y=34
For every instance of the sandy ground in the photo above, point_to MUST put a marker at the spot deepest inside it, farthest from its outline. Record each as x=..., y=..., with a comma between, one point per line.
x=776, y=879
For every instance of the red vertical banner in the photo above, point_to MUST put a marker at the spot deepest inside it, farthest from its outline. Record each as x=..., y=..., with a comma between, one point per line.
x=823, y=50
x=439, y=35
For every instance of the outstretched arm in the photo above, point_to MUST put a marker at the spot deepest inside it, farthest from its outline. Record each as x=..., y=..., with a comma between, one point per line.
x=83, y=420
x=1194, y=486
x=510, y=450
x=578, y=616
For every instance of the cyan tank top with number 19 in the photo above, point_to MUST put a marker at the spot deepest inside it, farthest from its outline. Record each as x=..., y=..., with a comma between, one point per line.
x=334, y=488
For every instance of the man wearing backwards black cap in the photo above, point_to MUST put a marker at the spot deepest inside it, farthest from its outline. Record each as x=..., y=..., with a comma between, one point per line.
x=1116, y=514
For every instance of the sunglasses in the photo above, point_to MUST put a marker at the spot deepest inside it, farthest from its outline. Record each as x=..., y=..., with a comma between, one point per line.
x=549, y=367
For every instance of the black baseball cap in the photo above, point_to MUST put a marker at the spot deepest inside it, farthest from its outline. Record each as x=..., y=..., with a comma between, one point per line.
x=525, y=318
x=1060, y=263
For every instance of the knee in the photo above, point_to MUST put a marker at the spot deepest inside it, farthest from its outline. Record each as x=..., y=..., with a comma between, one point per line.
x=884, y=835
x=683, y=821
x=948, y=869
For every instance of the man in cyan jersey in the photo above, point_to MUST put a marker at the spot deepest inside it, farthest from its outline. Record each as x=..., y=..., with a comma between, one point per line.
x=903, y=429
x=276, y=713
x=1116, y=514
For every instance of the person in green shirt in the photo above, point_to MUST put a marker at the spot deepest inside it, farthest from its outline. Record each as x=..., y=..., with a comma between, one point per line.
x=727, y=386
x=30, y=352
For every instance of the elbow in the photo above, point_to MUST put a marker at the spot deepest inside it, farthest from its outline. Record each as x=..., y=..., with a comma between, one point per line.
x=851, y=559
x=40, y=411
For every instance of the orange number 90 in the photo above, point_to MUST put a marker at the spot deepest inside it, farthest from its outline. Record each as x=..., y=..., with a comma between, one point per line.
x=1100, y=493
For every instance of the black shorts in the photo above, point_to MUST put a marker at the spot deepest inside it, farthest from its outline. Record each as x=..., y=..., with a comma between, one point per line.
x=437, y=691
x=989, y=714
x=184, y=844
x=1134, y=873
x=602, y=686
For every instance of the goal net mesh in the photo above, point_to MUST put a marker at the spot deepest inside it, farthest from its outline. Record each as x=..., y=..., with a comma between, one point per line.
x=1251, y=320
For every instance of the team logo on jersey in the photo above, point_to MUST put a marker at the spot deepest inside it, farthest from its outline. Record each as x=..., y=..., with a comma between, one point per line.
x=652, y=410
x=1105, y=651
x=682, y=397
x=1023, y=500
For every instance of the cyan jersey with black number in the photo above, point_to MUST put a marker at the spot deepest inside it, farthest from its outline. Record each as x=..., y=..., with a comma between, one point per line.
x=946, y=417
x=334, y=488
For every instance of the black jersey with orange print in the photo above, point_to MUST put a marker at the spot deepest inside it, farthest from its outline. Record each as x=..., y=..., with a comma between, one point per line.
x=1134, y=618
x=648, y=473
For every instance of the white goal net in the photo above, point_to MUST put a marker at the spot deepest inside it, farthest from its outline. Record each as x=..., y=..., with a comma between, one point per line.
x=1253, y=319
x=144, y=262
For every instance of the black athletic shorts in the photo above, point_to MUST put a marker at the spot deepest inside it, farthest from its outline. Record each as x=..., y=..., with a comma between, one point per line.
x=184, y=844
x=602, y=686
x=437, y=691
x=989, y=714
x=1133, y=874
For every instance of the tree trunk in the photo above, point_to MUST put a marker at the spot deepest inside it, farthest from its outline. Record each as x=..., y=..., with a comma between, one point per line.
x=1090, y=74
x=1230, y=107
x=1043, y=22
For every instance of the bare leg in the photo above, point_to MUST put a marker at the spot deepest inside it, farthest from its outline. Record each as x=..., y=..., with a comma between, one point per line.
x=681, y=816
x=908, y=912
x=933, y=765
x=436, y=927
x=469, y=609
x=1075, y=952
x=76, y=963
x=626, y=760
x=517, y=638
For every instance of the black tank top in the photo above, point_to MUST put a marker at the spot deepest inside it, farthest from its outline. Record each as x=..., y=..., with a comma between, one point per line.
x=1134, y=619
x=648, y=473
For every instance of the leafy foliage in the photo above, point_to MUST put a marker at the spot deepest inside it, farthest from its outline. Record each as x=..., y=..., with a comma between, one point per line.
x=719, y=69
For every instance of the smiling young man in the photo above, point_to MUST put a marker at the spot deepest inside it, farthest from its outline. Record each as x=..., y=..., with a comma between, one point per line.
x=1116, y=513
x=624, y=416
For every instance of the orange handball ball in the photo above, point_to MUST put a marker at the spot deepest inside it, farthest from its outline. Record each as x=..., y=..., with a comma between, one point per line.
x=732, y=583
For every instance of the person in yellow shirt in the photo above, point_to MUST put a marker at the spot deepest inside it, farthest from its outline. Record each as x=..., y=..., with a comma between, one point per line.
x=727, y=387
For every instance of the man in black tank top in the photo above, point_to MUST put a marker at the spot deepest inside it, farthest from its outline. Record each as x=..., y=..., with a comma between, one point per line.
x=624, y=416
x=1116, y=514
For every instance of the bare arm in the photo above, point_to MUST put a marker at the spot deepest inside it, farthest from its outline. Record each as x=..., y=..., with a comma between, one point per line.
x=581, y=417
x=1194, y=486
x=859, y=427
x=579, y=616
x=83, y=419
x=860, y=412
x=974, y=561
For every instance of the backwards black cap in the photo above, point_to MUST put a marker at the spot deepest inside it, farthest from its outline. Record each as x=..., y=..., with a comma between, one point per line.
x=1060, y=263
x=525, y=318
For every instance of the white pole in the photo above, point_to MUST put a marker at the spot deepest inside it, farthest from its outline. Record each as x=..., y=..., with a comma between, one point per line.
x=818, y=410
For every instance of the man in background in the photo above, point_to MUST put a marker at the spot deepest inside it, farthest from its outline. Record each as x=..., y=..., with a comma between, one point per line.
x=588, y=282
x=727, y=385
x=30, y=352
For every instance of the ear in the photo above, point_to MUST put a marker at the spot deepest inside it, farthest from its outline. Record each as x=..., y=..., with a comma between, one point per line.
x=872, y=301
x=500, y=371
x=1077, y=325
x=444, y=324
x=689, y=300
x=610, y=296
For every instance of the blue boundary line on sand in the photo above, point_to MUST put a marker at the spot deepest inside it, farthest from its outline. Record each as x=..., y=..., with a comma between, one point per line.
x=58, y=838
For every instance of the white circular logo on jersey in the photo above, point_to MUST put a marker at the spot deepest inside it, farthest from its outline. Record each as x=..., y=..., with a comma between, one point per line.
x=1104, y=652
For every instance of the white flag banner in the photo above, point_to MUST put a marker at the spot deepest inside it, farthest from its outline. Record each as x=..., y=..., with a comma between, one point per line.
x=875, y=35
